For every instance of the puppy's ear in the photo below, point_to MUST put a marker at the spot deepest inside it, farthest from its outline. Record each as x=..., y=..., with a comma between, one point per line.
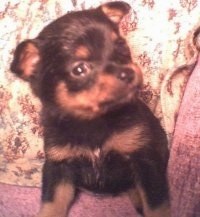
x=26, y=58
x=115, y=11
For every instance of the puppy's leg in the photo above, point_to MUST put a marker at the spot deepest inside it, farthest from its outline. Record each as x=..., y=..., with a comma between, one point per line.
x=151, y=193
x=59, y=206
x=144, y=208
x=57, y=192
x=136, y=199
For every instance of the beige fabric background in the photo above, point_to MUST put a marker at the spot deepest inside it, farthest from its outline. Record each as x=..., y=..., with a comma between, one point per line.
x=160, y=36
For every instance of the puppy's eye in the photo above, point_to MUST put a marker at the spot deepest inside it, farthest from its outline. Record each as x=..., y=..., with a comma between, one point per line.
x=80, y=70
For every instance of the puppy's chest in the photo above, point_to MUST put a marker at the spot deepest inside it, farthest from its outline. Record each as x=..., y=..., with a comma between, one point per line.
x=96, y=147
x=104, y=173
x=102, y=168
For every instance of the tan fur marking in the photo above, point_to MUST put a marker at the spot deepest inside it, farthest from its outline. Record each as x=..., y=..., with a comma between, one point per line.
x=28, y=60
x=135, y=197
x=57, y=153
x=162, y=211
x=128, y=141
x=59, y=207
x=82, y=52
x=82, y=105
x=114, y=14
x=114, y=36
x=85, y=104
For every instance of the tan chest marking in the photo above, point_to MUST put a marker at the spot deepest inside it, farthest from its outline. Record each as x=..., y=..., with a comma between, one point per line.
x=124, y=142
x=128, y=141
x=57, y=153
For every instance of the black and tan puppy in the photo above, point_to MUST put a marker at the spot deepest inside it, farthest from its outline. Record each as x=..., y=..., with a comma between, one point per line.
x=98, y=136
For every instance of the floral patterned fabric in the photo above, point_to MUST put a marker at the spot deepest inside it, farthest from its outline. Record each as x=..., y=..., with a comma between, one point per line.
x=160, y=36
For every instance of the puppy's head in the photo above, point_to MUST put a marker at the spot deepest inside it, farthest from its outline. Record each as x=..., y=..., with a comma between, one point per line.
x=79, y=65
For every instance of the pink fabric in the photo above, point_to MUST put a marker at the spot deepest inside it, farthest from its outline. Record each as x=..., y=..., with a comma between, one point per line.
x=184, y=164
x=18, y=201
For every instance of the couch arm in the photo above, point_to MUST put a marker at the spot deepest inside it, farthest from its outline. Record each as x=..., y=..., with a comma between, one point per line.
x=184, y=163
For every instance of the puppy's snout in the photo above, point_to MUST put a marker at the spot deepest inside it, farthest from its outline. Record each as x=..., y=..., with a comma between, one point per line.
x=126, y=75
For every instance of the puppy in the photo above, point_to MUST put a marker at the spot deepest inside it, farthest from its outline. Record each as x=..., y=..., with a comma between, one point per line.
x=98, y=136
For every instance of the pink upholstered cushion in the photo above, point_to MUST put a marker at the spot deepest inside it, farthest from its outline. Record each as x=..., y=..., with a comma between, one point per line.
x=159, y=34
x=184, y=164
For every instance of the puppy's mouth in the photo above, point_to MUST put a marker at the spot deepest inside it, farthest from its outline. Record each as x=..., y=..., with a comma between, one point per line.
x=116, y=103
x=94, y=103
x=103, y=107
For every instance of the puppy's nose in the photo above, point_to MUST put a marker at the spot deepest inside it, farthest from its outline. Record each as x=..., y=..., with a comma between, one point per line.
x=126, y=75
